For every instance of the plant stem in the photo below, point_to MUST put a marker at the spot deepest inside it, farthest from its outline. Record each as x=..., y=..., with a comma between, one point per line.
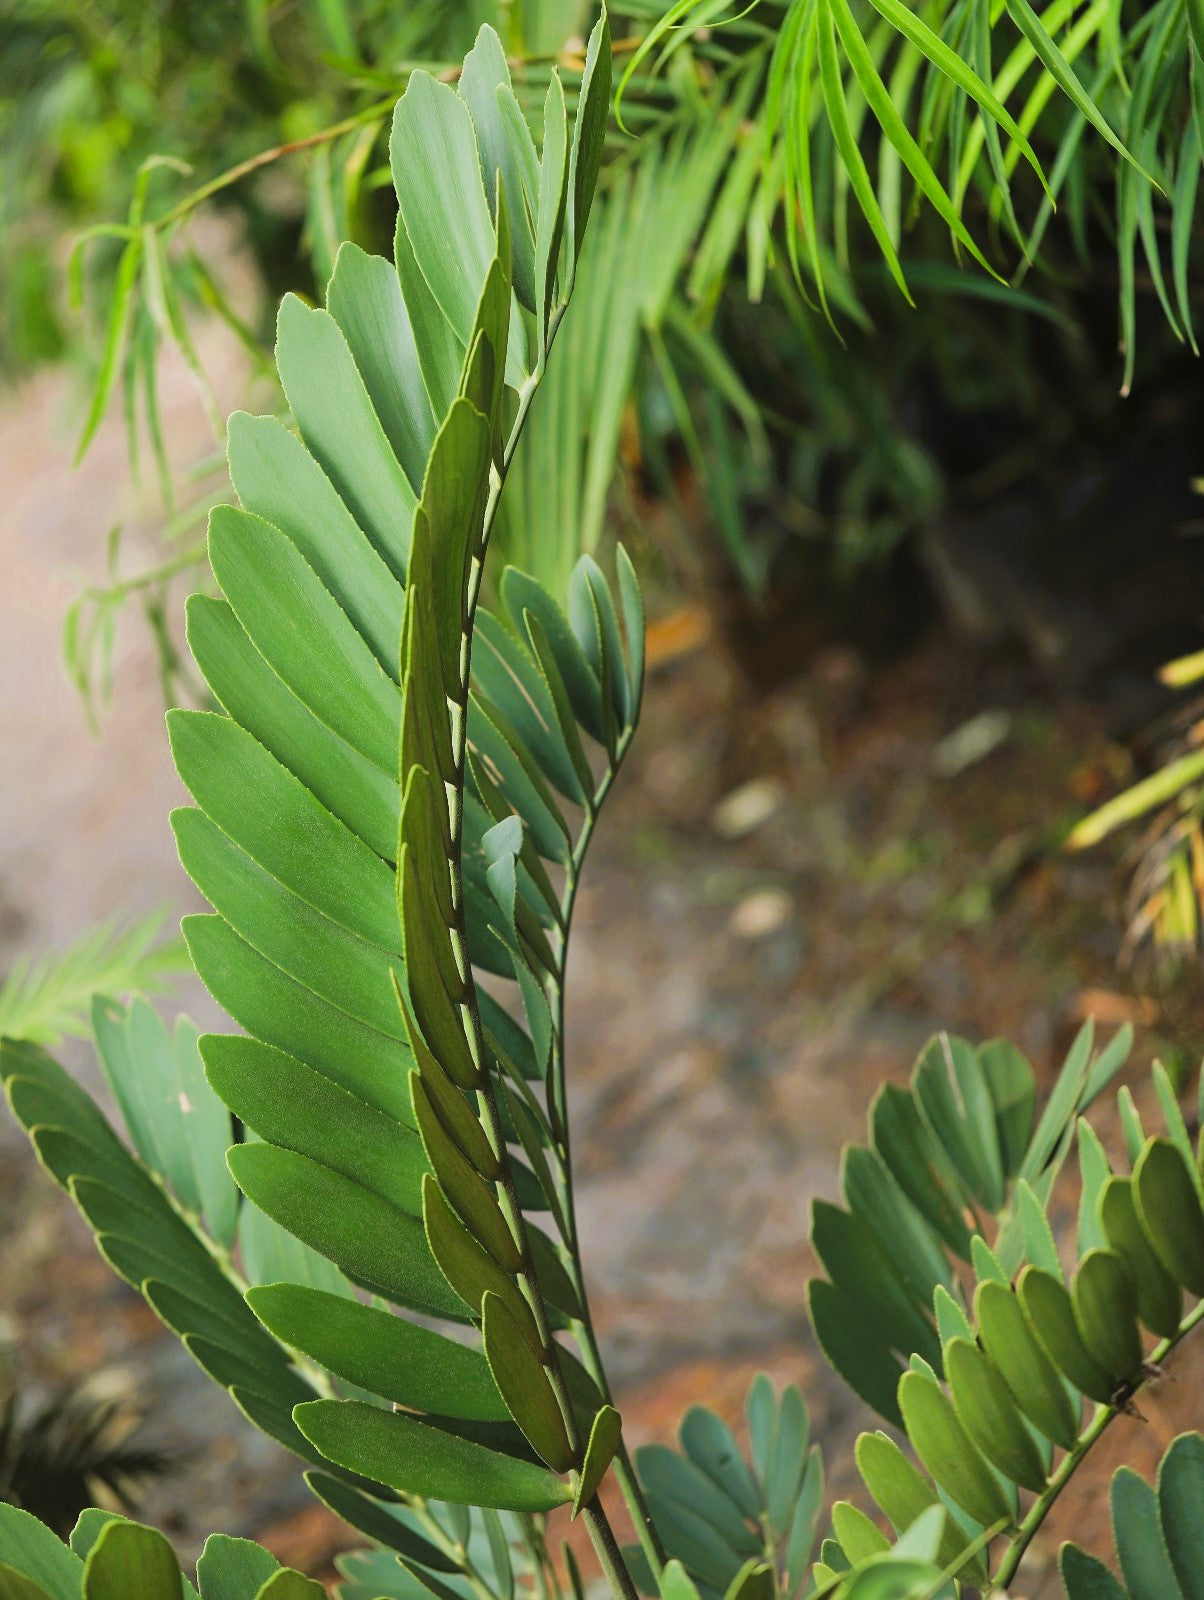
x=633, y=1496
x=264, y=158
x=1070, y=1463
x=609, y=1554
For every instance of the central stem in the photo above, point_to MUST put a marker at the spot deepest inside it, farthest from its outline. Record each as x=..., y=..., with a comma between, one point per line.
x=601, y=1533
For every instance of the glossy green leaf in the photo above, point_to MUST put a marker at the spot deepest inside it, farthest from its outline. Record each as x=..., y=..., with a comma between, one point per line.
x=605, y=1437
x=233, y=1569
x=129, y=1559
x=1181, y=1506
x=904, y=1143
x=467, y=1265
x=903, y=1494
x=1159, y=1300
x=342, y=972
x=32, y=1551
x=303, y=633
x=942, y=1444
x=1051, y=1315
x=672, y=1478
x=295, y=1107
x=1013, y=1092
x=278, y=480
x=363, y=1234
x=1137, y=1535
x=282, y=1012
x=1034, y=1381
x=1169, y=1208
x=341, y=428
x=1086, y=1577
x=290, y=1585
x=14, y=1586
x=405, y=1454
x=862, y=1357
x=386, y=1354
x=276, y=820
x=708, y=1442
x=523, y=1383
x=434, y=155
x=473, y=1198
x=588, y=131
x=952, y=1091
x=364, y=297
x=989, y=1414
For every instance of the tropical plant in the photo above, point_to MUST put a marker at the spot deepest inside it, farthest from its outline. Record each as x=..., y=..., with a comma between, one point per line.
x=358, y=1214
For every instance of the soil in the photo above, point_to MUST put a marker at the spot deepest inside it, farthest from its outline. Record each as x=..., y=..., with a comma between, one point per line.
x=791, y=889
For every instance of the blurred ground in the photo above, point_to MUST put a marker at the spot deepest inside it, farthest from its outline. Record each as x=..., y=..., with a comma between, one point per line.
x=788, y=894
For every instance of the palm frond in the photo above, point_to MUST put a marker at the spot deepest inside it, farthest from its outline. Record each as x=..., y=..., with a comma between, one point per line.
x=65, y=1454
x=43, y=999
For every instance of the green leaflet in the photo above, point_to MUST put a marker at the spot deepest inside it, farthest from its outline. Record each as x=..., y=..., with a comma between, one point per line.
x=405, y=1454
x=1052, y=1317
x=1181, y=1511
x=316, y=1117
x=1168, y=1205
x=1159, y=1299
x=435, y=163
x=506, y=148
x=130, y=1559
x=280, y=825
x=1033, y=1379
x=464, y=1187
x=29, y=1548
x=952, y=1090
x=150, y=1245
x=1086, y=1577
x=524, y=1385
x=386, y=1354
x=863, y=1356
x=337, y=967
x=230, y=1568
x=370, y=1239
x=1140, y=1546
x=278, y=480
x=989, y=1414
x=1157, y=1533
x=903, y=1494
x=341, y=428
x=14, y=1586
x=286, y=1014
x=1105, y=1308
x=944, y=1447
x=178, y=1126
x=605, y=1437
x=365, y=299
x=467, y=1265
x=286, y=1585
x=344, y=782
x=274, y=592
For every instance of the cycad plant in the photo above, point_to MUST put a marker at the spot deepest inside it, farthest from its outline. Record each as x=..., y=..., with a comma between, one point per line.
x=395, y=787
